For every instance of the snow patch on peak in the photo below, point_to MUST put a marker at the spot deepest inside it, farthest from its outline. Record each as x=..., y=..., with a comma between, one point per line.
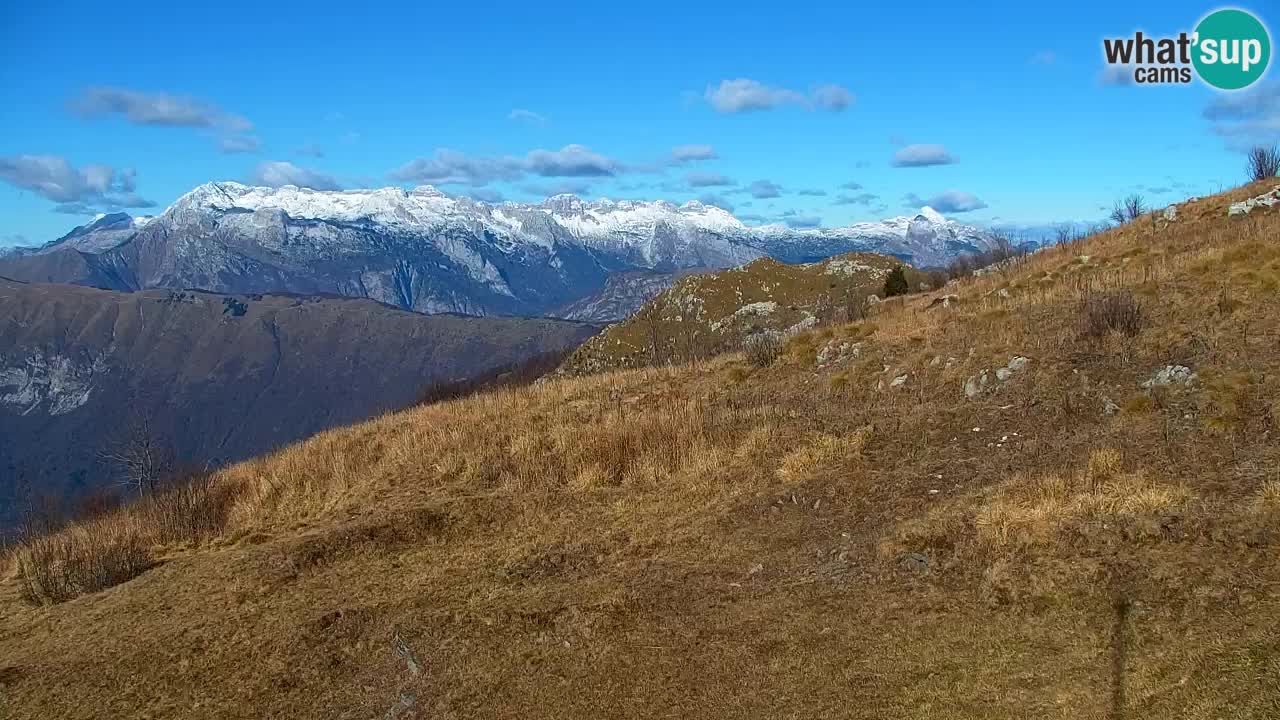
x=931, y=215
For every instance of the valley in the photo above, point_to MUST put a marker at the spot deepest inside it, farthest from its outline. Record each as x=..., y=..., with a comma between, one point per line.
x=215, y=378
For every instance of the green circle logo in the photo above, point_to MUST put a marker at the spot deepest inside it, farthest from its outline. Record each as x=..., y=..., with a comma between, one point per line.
x=1232, y=49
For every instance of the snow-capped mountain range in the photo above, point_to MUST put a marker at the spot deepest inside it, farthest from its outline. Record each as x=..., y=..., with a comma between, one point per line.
x=425, y=250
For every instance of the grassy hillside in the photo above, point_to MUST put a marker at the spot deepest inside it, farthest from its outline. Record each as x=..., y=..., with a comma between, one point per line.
x=708, y=313
x=1091, y=532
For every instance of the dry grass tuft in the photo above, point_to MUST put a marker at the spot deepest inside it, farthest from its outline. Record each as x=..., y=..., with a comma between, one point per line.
x=1268, y=498
x=1045, y=512
x=1039, y=512
x=80, y=560
x=1111, y=312
x=117, y=546
x=762, y=349
x=825, y=452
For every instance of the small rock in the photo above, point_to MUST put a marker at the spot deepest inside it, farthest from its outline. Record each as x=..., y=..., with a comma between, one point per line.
x=1017, y=363
x=1003, y=374
x=1003, y=293
x=755, y=569
x=945, y=301
x=898, y=381
x=1109, y=407
x=918, y=562
x=873, y=300
x=976, y=384
x=1171, y=375
x=1171, y=213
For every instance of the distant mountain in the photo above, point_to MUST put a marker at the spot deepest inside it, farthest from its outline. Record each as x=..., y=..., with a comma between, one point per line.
x=427, y=251
x=221, y=377
x=623, y=294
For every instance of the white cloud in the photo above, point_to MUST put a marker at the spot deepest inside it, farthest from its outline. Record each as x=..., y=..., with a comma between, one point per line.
x=865, y=199
x=922, y=156
x=570, y=161
x=794, y=219
x=950, y=201
x=157, y=109
x=745, y=95
x=761, y=189
x=91, y=188
x=716, y=200
x=707, y=179
x=1247, y=118
x=833, y=98
x=234, y=144
x=280, y=173
x=684, y=154
x=527, y=116
x=451, y=167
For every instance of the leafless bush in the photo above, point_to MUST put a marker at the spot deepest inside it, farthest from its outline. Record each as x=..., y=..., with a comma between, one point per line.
x=60, y=555
x=1104, y=313
x=762, y=349
x=1128, y=209
x=190, y=507
x=1001, y=252
x=141, y=457
x=80, y=560
x=1264, y=162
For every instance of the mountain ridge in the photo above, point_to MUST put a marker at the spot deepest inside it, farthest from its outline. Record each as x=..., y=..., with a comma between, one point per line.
x=428, y=251
x=224, y=376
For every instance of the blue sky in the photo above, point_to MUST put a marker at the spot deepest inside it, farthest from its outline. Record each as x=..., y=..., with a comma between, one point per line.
x=114, y=105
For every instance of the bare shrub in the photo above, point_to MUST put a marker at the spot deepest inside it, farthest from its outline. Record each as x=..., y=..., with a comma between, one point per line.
x=1001, y=252
x=1128, y=209
x=762, y=349
x=60, y=556
x=141, y=457
x=1104, y=313
x=80, y=560
x=1264, y=162
x=191, y=507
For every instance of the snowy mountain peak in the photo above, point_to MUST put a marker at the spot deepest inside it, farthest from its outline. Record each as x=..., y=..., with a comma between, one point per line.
x=427, y=250
x=931, y=215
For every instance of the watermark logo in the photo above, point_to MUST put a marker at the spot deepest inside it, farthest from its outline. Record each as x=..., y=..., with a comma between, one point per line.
x=1229, y=49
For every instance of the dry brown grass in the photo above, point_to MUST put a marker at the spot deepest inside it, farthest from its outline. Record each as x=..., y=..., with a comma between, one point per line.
x=824, y=453
x=82, y=559
x=117, y=546
x=695, y=541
